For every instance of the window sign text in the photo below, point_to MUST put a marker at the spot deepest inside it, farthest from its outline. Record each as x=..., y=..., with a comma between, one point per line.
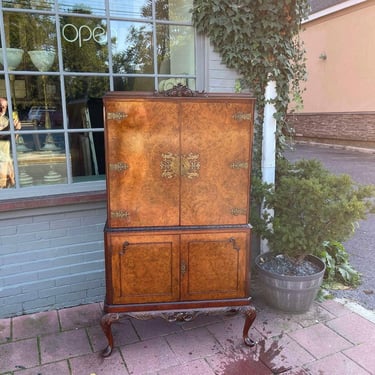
x=83, y=34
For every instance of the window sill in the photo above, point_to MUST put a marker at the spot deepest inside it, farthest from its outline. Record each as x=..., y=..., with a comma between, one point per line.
x=52, y=201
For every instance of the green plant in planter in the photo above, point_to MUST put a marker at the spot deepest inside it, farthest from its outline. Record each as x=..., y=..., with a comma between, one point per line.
x=311, y=206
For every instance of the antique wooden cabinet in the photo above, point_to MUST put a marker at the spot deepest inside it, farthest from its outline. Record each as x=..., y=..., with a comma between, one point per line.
x=177, y=238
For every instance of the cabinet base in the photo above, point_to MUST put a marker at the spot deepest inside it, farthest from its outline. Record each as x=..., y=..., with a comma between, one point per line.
x=177, y=315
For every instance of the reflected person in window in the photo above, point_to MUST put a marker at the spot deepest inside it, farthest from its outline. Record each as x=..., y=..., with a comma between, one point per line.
x=6, y=165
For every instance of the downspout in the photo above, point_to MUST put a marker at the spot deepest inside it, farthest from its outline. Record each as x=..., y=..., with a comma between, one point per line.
x=268, y=147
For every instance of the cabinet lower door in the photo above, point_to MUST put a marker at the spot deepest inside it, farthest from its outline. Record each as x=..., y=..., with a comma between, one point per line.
x=144, y=268
x=214, y=265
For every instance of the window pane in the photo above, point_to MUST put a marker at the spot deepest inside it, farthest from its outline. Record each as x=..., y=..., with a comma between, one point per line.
x=147, y=50
x=78, y=89
x=36, y=102
x=29, y=4
x=35, y=34
x=84, y=44
x=96, y=7
x=175, y=49
x=7, y=178
x=168, y=83
x=46, y=166
x=41, y=104
x=87, y=152
x=131, y=9
x=134, y=84
x=174, y=10
x=132, y=50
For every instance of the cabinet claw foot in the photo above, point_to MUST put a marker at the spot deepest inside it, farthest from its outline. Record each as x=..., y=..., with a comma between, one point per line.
x=106, y=323
x=249, y=342
x=107, y=351
x=250, y=314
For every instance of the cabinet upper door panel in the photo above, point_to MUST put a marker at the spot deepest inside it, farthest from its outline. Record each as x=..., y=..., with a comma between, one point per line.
x=142, y=139
x=216, y=139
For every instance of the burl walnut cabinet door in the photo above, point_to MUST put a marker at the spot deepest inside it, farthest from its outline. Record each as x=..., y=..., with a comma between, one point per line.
x=214, y=266
x=216, y=139
x=141, y=135
x=144, y=268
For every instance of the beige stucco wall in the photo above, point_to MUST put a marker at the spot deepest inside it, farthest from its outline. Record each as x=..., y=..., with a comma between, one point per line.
x=345, y=81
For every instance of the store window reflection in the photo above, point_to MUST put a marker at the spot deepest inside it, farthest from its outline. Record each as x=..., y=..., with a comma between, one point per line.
x=131, y=9
x=58, y=58
x=84, y=44
x=132, y=47
x=7, y=178
x=96, y=7
x=85, y=123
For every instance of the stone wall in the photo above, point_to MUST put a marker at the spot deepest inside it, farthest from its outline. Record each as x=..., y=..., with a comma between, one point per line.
x=349, y=128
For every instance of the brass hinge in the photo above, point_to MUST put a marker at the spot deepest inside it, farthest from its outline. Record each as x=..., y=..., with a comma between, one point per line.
x=241, y=116
x=120, y=214
x=238, y=211
x=118, y=167
x=116, y=115
x=239, y=165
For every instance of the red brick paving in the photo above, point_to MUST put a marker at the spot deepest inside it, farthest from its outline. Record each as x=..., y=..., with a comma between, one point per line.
x=329, y=339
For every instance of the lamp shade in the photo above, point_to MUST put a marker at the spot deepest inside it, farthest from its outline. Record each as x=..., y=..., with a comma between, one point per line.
x=13, y=55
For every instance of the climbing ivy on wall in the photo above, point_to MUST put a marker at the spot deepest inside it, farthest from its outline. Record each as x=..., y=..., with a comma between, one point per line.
x=260, y=40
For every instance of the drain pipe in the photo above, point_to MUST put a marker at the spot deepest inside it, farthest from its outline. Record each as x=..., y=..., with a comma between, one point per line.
x=268, y=147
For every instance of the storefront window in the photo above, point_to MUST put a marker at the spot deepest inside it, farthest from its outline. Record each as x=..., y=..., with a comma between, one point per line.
x=29, y=4
x=131, y=9
x=95, y=7
x=84, y=44
x=57, y=61
x=132, y=47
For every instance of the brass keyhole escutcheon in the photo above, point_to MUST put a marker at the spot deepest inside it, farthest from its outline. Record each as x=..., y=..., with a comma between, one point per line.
x=183, y=268
x=173, y=165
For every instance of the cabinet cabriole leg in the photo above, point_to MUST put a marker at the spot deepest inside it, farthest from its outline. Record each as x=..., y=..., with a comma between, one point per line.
x=250, y=315
x=106, y=323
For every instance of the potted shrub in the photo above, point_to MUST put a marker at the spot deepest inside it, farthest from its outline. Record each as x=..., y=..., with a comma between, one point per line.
x=311, y=206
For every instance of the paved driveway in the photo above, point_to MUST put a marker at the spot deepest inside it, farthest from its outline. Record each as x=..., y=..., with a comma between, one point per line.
x=360, y=166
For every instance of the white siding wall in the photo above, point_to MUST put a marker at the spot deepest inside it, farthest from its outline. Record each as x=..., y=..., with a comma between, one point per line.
x=219, y=77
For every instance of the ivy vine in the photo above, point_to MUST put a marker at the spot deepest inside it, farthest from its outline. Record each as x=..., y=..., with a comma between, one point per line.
x=260, y=40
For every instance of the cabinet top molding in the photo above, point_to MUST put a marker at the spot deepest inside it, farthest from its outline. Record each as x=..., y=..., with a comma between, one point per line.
x=177, y=93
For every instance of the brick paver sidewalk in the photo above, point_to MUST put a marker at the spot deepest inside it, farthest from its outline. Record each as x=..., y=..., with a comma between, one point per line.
x=329, y=339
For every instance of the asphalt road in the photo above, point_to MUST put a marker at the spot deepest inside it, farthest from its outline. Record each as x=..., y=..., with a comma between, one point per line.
x=360, y=165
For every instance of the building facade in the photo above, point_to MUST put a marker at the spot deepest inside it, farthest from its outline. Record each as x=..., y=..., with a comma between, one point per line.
x=57, y=60
x=339, y=105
